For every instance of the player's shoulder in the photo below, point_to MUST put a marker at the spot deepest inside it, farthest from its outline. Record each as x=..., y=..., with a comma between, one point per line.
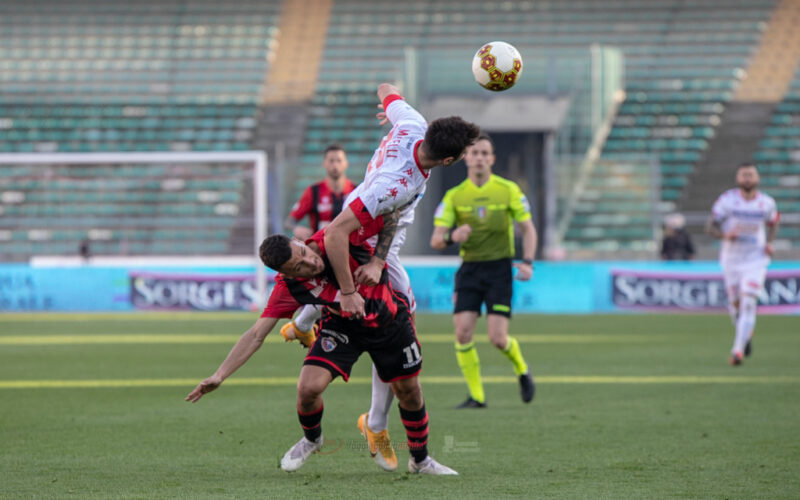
x=766, y=198
x=728, y=195
x=461, y=186
x=503, y=183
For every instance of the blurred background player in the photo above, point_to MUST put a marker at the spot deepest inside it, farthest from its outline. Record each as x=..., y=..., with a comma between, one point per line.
x=482, y=209
x=746, y=220
x=322, y=201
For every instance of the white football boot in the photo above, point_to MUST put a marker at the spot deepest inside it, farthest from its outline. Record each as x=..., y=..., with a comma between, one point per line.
x=429, y=466
x=299, y=453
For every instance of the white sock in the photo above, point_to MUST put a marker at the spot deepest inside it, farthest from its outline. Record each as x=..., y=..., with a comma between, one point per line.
x=382, y=396
x=745, y=323
x=306, y=318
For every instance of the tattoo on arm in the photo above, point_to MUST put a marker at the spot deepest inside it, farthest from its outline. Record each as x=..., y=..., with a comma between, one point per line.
x=772, y=230
x=714, y=229
x=386, y=235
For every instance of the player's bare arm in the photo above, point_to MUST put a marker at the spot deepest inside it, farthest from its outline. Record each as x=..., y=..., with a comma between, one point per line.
x=529, y=242
x=385, y=90
x=248, y=343
x=337, y=245
x=300, y=232
x=370, y=273
x=444, y=236
x=772, y=230
x=714, y=228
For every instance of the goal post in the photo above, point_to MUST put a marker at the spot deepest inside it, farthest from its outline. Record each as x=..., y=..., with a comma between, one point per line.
x=12, y=198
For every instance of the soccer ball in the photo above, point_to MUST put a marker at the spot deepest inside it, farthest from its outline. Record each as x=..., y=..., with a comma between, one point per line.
x=497, y=66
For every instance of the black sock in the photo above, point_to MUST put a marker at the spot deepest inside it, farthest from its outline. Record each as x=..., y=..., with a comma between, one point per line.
x=311, y=423
x=416, y=424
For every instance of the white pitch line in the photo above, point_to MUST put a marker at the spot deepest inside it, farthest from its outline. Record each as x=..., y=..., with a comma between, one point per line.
x=166, y=338
x=188, y=383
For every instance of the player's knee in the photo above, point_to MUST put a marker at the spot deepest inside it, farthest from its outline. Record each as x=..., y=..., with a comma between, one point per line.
x=308, y=392
x=463, y=335
x=747, y=304
x=408, y=393
x=499, y=340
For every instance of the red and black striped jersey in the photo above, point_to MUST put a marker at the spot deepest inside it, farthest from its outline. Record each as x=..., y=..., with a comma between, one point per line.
x=289, y=294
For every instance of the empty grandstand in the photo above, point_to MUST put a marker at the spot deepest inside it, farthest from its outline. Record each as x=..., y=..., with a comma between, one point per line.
x=96, y=76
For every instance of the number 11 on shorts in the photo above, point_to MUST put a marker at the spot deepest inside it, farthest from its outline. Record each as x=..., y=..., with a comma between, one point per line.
x=412, y=355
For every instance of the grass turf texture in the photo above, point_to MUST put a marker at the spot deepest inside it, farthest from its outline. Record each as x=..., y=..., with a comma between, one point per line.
x=670, y=418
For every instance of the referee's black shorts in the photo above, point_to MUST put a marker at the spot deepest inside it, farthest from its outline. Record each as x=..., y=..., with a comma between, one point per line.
x=484, y=282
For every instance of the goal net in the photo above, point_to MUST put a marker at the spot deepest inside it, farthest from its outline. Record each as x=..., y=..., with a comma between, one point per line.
x=194, y=206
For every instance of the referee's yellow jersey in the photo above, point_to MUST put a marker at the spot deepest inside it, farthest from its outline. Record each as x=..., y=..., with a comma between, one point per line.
x=490, y=210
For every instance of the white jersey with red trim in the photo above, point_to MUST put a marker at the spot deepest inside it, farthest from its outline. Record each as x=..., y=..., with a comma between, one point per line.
x=394, y=178
x=748, y=219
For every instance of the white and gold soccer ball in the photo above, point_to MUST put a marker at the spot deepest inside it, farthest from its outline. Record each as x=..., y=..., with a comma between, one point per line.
x=497, y=66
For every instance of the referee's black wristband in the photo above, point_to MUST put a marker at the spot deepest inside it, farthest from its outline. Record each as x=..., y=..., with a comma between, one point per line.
x=447, y=238
x=529, y=262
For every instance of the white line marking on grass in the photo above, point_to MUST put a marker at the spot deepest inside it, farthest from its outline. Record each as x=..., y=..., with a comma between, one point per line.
x=126, y=316
x=167, y=338
x=188, y=383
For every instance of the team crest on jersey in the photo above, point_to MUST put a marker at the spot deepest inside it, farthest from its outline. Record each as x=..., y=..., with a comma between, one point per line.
x=481, y=212
x=328, y=344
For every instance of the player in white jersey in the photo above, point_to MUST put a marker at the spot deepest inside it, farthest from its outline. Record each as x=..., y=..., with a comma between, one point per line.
x=395, y=180
x=746, y=220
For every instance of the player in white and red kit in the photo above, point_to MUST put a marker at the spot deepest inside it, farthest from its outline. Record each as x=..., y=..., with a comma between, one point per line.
x=746, y=220
x=395, y=181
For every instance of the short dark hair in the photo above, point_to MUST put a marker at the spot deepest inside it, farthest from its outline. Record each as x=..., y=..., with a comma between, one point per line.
x=746, y=164
x=450, y=136
x=332, y=147
x=485, y=137
x=275, y=251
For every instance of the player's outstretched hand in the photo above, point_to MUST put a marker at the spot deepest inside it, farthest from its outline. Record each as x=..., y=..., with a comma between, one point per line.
x=524, y=271
x=381, y=116
x=461, y=233
x=203, y=388
x=352, y=305
x=369, y=274
x=302, y=233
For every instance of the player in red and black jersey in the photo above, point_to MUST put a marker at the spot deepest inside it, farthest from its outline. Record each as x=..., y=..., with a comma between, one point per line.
x=322, y=201
x=384, y=331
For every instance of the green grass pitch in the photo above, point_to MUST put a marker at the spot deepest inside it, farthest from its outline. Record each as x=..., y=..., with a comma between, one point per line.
x=641, y=406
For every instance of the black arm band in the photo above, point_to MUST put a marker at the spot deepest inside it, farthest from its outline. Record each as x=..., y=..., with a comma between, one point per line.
x=447, y=238
x=528, y=261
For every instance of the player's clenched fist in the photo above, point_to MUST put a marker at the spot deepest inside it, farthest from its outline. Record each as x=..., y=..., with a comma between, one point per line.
x=352, y=305
x=370, y=273
x=461, y=233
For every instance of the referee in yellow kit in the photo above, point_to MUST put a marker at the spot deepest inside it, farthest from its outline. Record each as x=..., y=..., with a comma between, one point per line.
x=479, y=214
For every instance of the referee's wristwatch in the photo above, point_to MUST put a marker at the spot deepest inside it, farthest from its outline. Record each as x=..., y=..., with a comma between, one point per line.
x=528, y=261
